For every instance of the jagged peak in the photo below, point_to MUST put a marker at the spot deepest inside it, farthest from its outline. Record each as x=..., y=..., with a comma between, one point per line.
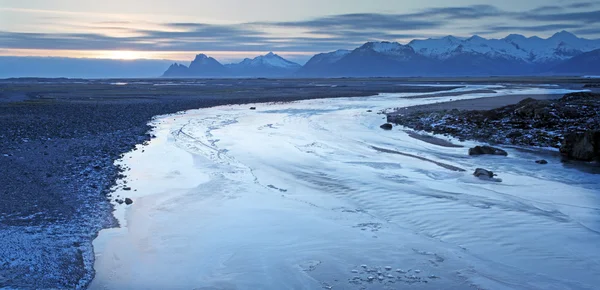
x=476, y=38
x=201, y=56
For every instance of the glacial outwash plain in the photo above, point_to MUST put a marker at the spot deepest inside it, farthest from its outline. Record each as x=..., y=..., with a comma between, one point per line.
x=294, y=184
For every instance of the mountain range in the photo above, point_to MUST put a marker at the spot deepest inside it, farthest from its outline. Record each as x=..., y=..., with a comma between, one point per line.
x=562, y=53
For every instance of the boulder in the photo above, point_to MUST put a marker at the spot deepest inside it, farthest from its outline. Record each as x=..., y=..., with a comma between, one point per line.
x=541, y=162
x=480, y=172
x=252, y=108
x=386, y=126
x=582, y=146
x=489, y=150
x=486, y=175
x=128, y=201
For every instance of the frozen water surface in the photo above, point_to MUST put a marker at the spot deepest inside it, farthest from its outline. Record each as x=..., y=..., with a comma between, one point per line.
x=295, y=196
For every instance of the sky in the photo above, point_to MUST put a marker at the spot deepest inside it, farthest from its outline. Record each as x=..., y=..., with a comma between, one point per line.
x=231, y=30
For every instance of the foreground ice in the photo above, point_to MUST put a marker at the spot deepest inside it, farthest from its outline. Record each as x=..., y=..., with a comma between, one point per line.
x=296, y=196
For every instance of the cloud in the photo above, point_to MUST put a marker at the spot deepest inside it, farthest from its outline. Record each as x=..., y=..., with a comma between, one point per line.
x=536, y=28
x=466, y=13
x=319, y=34
x=583, y=5
x=361, y=21
x=582, y=17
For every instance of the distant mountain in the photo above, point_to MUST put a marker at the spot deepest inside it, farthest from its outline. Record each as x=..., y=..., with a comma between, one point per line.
x=561, y=46
x=446, y=56
x=453, y=56
x=269, y=65
x=587, y=63
x=382, y=59
x=176, y=70
x=320, y=63
x=201, y=66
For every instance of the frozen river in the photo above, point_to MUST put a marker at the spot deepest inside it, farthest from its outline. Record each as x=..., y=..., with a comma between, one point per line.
x=295, y=196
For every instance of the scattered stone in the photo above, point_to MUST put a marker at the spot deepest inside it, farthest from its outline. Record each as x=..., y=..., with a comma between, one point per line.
x=252, y=108
x=541, y=162
x=480, y=172
x=567, y=123
x=386, y=126
x=388, y=268
x=364, y=266
x=127, y=188
x=354, y=271
x=369, y=111
x=119, y=201
x=485, y=175
x=487, y=150
x=370, y=278
x=128, y=201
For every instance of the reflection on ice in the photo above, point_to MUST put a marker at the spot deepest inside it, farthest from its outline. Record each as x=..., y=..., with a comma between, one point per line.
x=308, y=195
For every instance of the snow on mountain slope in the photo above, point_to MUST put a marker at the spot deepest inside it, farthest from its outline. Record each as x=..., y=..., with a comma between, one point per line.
x=435, y=47
x=271, y=60
x=326, y=58
x=390, y=49
x=561, y=46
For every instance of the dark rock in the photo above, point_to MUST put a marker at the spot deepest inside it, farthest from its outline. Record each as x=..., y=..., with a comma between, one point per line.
x=127, y=188
x=483, y=172
x=252, y=108
x=487, y=150
x=514, y=134
x=486, y=175
x=582, y=146
x=542, y=123
x=128, y=201
x=541, y=162
x=119, y=201
x=386, y=126
x=369, y=111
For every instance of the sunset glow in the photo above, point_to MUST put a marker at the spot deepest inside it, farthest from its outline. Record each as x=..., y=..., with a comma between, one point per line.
x=123, y=54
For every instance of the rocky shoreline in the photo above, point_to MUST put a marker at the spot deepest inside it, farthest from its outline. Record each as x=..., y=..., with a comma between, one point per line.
x=570, y=124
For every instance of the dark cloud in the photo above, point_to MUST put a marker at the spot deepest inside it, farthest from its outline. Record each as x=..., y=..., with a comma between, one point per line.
x=584, y=17
x=362, y=21
x=587, y=31
x=583, y=5
x=536, y=28
x=547, y=9
x=334, y=31
x=468, y=12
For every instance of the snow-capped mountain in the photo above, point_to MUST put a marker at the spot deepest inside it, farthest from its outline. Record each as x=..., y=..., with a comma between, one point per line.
x=370, y=59
x=382, y=59
x=447, y=56
x=263, y=66
x=561, y=46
